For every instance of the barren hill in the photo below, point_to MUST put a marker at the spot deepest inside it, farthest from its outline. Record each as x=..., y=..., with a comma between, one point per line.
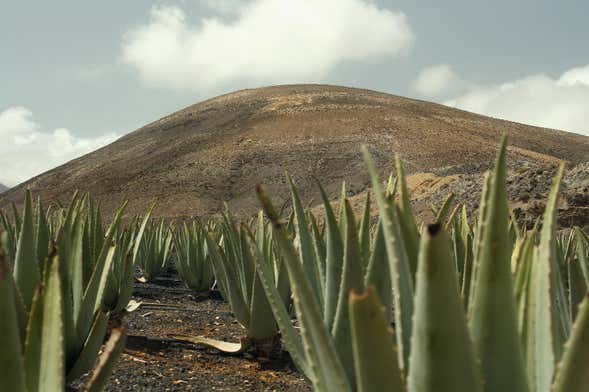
x=3, y=188
x=218, y=150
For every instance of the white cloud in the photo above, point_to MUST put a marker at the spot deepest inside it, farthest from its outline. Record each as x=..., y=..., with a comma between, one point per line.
x=575, y=76
x=438, y=80
x=26, y=150
x=269, y=41
x=227, y=7
x=560, y=103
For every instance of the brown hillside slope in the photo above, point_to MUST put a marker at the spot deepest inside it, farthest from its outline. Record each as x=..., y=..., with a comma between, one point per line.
x=218, y=150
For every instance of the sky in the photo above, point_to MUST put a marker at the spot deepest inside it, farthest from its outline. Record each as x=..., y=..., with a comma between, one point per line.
x=77, y=75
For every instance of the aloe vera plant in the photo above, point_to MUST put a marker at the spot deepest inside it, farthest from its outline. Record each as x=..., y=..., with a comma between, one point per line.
x=193, y=261
x=58, y=315
x=517, y=321
x=235, y=259
x=347, y=266
x=154, y=250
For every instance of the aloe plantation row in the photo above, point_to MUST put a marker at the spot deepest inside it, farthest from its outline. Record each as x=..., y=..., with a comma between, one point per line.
x=369, y=304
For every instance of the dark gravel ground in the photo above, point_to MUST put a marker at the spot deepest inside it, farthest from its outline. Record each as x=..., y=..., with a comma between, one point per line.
x=152, y=361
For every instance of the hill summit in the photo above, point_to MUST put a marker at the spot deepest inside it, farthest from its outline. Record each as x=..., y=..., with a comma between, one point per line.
x=216, y=151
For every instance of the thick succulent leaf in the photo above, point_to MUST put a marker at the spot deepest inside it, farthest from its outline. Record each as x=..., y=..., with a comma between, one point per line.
x=320, y=249
x=52, y=359
x=87, y=357
x=442, y=355
x=41, y=235
x=391, y=187
x=468, y=269
x=522, y=284
x=401, y=276
x=126, y=284
x=333, y=262
x=493, y=321
x=378, y=274
x=550, y=330
x=229, y=283
x=26, y=268
x=9, y=238
x=310, y=261
x=407, y=219
x=478, y=231
x=364, y=235
x=91, y=305
x=107, y=361
x=452, y=217
x=582, y=251
x=445, y=209
x=342, y=198
x=326, y=368
x=33, y=343
x=290, y=336
x=11, y=363
x=141, y=233
x=73, y=266
x=375, y=357
x=262, y=323
x=573, y=370
x=577, y=287
x=352, y=280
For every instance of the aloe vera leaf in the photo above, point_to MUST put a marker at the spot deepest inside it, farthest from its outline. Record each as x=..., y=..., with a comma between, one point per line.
x=33, y=342
x=407, y=222
x=11, y=362
x=572, y=374
x=107, y=361
x=230, y=284
x=458, y=251
x=452, y=217
x=493, y=321
x=320, y=250
x=399, y=268
x=478, y=232
x=445, y=208
x=89, y=353
x=326, y=368
x=262, y=323
x=17, y=218
x=550, y=330
x=342, y=197
x=309, y=259
x=442, y=356
x=290, y=337
x=52, y=359
x=91, y=305
x=375, y=357
x=577, y=287
x=523, y=277
x=467, y=269
x=333, y=261
x=364, y=234
x=352, y=280
x=391, y=187
x=583, y=252
x=141, y=233
x=26, y=268
x=41, y=235
x=378, y=274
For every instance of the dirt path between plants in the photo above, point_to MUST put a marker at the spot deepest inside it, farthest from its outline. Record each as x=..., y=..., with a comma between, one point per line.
x=154, y=362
